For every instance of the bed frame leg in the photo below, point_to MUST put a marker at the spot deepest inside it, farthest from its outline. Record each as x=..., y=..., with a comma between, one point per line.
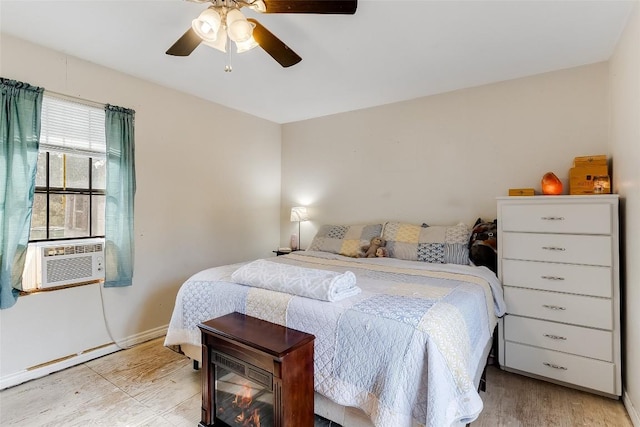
x=196, y=365
x=492, y=360
x=483, y=380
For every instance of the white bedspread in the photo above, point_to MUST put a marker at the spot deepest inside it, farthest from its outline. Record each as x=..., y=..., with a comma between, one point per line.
x=404, y=350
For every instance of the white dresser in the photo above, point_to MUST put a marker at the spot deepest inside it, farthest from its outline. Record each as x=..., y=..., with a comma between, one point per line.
x=558, y=262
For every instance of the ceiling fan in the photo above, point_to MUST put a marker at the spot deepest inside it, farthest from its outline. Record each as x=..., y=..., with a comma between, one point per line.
x=223, y=22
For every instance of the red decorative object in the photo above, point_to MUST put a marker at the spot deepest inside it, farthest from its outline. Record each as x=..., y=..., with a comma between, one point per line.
x=551, y=185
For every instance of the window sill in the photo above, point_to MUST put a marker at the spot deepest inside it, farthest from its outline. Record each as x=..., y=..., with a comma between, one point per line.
x=57, y=288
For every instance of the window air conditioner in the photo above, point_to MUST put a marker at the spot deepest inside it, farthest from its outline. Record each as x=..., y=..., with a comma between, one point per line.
x=61, y=263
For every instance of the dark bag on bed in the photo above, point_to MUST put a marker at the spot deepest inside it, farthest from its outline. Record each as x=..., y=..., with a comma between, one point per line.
x=483, y=244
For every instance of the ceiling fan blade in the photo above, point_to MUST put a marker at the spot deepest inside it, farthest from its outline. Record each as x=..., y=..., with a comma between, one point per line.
x=274, y=46
x=185, y=44
x=347, y=7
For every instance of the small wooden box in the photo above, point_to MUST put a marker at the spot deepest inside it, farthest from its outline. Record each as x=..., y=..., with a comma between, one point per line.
x=581, y=178
x=521, y=192
x=589, y=161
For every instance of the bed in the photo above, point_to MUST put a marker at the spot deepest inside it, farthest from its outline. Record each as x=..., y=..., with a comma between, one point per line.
x=404, y=344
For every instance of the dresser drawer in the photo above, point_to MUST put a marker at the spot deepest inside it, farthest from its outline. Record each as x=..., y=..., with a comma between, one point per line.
x=557, y=218
x=578, y=340
x=581, y=371
x=574, y=279
x=565, y=308
x=572, y=249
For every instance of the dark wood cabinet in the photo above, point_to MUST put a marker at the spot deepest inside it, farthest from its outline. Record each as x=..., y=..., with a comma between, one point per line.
x=270, y=364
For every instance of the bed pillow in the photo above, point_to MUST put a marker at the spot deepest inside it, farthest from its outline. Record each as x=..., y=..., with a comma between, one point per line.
x=434, y=244
x=344, y=239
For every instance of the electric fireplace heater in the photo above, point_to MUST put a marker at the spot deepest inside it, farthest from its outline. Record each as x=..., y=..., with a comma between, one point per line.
x=255, y=374
x=243, y=393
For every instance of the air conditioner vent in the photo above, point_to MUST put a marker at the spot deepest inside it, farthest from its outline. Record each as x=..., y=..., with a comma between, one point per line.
x=72, y=250
x=75, y=268
x=61, y=263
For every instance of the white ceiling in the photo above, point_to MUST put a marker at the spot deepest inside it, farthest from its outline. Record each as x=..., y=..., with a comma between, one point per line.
x=387, y=52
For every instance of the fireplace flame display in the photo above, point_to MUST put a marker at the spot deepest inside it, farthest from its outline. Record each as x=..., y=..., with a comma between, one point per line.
x=248, y=407
x=243, y=401
x=252, y=420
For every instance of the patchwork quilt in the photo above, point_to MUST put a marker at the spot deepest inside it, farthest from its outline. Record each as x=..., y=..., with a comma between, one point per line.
x=404, y=350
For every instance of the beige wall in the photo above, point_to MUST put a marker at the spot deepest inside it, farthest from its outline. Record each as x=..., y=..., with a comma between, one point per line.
x=439, y=159
x=442, y=159
x=625, y=150
x=208, y=193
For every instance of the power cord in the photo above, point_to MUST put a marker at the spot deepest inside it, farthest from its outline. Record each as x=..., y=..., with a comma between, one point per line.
x=104, y=318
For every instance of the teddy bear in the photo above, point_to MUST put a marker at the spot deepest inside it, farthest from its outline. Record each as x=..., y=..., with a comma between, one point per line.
x=382, y=252
x=370, y=249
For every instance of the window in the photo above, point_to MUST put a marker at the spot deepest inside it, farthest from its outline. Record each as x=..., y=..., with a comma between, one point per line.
x=69, y=200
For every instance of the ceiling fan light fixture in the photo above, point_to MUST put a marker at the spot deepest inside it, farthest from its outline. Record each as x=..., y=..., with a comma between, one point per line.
x=239, y=29
x=207, y=24
x=224, y=22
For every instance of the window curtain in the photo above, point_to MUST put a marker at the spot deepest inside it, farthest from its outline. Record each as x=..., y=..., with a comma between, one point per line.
x=20, y=106
x=120, y=191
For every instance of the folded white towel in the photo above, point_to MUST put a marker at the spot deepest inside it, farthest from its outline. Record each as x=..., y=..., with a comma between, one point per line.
x=307, y=282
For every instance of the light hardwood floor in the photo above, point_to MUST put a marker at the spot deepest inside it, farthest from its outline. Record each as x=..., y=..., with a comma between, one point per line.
x=149, y=385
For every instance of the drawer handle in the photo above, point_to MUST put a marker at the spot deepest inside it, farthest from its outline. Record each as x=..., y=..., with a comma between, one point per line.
x=552, y=277
x=555, y=337
x=551, y=365
x=553, y=248
x=552, y=218
x=553, y=307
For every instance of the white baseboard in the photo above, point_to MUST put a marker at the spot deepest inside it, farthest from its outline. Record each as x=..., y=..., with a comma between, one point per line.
x=31, y=374
x=631, y=410
x=46, y=369
x=145, y=336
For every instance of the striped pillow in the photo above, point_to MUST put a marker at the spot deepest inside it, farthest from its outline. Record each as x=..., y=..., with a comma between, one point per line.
x=436, y=244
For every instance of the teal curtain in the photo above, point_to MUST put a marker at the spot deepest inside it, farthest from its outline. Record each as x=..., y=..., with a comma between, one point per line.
x=20, y=106
x=121, y=189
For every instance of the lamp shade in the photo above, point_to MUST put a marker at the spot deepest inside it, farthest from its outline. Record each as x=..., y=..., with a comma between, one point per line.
x=220, y=43
x=206, y=25
x=246, y=45
x=299, y=213
x=240, y=30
